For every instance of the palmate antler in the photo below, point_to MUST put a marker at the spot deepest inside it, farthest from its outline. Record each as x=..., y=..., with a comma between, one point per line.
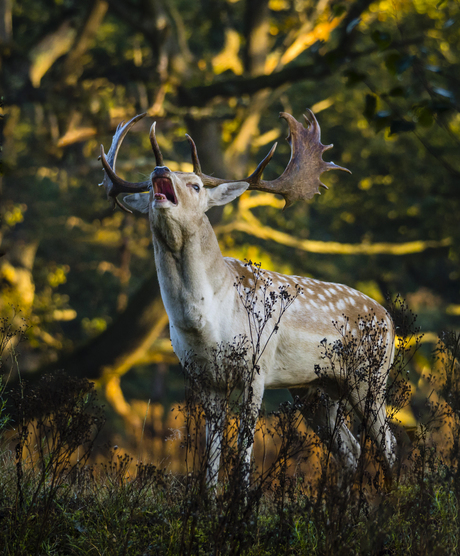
x=300, y=179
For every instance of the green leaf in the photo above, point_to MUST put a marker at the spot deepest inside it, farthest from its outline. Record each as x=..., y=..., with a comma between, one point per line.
x=391, y=61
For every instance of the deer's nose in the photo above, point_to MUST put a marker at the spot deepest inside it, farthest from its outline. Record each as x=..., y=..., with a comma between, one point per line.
x=161, y=171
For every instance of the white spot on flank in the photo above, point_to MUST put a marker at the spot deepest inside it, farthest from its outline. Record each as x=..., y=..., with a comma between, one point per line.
x=341, y=305
x=310, y=291
x=365, y=308
x=351, y=301
x=332, y=291
x=321, y=296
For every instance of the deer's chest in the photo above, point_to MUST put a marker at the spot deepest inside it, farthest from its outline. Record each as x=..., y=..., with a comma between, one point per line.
x=196, y=321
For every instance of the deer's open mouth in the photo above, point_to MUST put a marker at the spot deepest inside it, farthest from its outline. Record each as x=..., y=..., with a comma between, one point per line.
x=163, y=190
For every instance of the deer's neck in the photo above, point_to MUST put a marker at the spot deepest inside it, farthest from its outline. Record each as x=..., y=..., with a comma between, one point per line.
x=192, y=273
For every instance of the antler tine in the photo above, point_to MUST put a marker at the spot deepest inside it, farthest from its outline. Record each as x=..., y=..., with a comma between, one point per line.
x=255, y=178
x=312, y=123
x=207, y=180
x=155, y=146
x=125, y=209
x=120, y=134
x=194, y=153
x=301, y=178
x=113, y=184
x=119, y=185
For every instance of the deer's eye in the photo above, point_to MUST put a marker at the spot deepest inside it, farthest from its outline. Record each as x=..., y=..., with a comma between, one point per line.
x=195, y=186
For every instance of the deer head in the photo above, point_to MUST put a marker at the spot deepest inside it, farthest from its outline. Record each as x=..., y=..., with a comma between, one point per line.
x=182, y=192
x=174, y=190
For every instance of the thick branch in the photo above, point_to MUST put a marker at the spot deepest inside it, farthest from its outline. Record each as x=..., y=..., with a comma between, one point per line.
x=253, y=226
x=119, y=347
x=202, y=94
x=322, y=67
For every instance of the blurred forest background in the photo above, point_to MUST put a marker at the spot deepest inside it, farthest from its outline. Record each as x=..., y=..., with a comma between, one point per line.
x=383, y=78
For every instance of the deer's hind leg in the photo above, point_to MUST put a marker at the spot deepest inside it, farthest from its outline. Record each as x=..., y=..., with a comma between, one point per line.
x=371, y=409
x=325, y=416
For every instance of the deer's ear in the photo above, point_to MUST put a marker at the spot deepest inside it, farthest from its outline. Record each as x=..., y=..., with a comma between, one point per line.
x=225, y=193
x=138, y=201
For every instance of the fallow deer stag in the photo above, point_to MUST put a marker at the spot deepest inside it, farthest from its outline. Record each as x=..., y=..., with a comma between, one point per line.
x=205, y=309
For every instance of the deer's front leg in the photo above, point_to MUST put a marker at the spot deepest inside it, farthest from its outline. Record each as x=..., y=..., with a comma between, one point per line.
x=250, y=408
x=215, y=423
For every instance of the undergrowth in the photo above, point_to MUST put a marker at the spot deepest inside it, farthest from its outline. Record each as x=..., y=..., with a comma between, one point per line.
x=54, y=501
